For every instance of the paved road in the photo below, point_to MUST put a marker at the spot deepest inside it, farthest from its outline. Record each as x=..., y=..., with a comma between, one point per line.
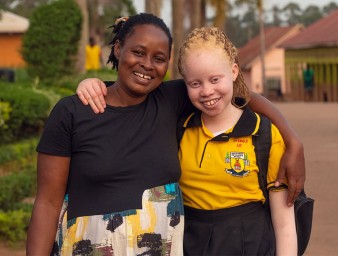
x=317, y=125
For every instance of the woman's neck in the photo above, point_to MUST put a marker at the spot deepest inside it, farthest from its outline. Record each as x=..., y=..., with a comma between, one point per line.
x=118, y=97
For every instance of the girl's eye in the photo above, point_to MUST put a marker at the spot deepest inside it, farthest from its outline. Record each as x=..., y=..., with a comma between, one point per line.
x=214, y=80
x=194, y=84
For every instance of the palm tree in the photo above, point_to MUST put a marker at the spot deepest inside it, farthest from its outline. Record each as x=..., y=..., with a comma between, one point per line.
x=221, y=7
x=178, y=32
x=81, y=56
x=154, y=7
x=93, y=17
x=194, y=8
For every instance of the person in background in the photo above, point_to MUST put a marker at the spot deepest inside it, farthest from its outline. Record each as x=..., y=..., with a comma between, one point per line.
x=223, y=203
x=93, y=55
x=308, y=76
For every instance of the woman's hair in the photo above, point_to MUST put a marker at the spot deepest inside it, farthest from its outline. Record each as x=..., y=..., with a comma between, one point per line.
x=125, y=26
x=209, y=38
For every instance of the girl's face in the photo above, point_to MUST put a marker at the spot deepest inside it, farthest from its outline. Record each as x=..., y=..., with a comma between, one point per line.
x=209, y=77
x=143, y=60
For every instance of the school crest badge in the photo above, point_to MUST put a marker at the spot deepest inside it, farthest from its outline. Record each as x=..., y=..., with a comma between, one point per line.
x=238, y=161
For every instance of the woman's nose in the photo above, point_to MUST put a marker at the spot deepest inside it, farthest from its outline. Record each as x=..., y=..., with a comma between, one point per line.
x=147, y=63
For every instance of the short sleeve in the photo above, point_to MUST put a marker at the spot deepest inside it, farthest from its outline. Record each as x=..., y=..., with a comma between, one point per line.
x=56, y=138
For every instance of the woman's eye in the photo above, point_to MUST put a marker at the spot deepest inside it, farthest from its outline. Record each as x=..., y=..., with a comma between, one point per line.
x=159, y=59
x=138, y=53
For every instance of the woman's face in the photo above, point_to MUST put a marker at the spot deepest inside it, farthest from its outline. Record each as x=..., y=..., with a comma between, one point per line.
x=143, y=60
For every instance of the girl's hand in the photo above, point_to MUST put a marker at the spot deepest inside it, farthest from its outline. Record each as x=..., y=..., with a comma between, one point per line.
x=92, y=91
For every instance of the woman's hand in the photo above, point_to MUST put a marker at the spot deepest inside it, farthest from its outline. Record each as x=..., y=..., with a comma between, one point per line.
x=92, y=91
x=292, y=167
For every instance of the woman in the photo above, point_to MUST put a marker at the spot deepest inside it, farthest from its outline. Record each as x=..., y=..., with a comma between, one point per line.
x=119, y=169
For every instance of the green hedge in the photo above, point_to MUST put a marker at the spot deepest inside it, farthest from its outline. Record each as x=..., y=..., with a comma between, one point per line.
x=27, y=111
x=17, y=186
x=13, y=226
x=17, y=190
x=17, y=151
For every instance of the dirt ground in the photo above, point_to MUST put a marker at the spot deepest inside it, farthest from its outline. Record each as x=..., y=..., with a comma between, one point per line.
x=317, y=125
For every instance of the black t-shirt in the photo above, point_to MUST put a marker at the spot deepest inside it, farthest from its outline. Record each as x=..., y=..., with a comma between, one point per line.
x=118, y=154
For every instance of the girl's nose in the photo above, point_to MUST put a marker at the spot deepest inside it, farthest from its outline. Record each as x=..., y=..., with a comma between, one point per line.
x=207, y=90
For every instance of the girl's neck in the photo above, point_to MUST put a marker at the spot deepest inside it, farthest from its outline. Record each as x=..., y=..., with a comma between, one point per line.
x=223, y=121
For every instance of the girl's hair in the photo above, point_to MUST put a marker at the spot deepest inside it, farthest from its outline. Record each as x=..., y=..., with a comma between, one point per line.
x=209, y=38
x=125, y=26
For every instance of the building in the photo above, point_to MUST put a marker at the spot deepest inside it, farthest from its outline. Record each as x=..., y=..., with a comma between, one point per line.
x=315, y=47
x=251, y=63
x=12, y=29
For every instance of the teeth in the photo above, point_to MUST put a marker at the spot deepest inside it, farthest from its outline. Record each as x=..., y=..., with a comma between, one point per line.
x=211, y=102
x=142, y=76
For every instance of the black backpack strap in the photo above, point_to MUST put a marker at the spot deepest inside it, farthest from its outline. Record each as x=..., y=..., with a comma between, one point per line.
x=181, y=126
x=262, y=143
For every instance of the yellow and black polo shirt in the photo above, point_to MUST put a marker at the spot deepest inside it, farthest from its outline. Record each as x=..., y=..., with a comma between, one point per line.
x=221, y=171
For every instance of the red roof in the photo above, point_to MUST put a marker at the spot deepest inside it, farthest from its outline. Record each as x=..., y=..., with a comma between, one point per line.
x=323, y=32
x=274, y=36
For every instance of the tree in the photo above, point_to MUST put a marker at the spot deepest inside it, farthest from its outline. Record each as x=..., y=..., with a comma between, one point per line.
x=194, y=7
x=249, y=21
x=276, y=19
x=293, y=13
x=81, y=52
x=106, y=11
x=310, y=14
x=178, y=33
x=154, y=7
x=221, y=7
x=327, y=9
x=22, y=7
x=51, y=42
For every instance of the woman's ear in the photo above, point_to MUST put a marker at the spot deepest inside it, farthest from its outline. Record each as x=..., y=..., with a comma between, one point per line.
x=235, y=71
x=117, y=49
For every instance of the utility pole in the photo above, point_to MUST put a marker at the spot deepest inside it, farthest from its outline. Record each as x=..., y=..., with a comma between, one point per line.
x=262, y=44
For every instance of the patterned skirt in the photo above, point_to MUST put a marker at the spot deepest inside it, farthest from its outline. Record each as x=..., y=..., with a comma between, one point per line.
x=156, y=229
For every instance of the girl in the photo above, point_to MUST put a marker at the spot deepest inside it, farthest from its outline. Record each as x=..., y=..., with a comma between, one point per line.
x=224, y=212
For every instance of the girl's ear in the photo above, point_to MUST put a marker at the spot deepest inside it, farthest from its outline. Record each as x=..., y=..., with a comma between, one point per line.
x=235, y=71
x=117, y=49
